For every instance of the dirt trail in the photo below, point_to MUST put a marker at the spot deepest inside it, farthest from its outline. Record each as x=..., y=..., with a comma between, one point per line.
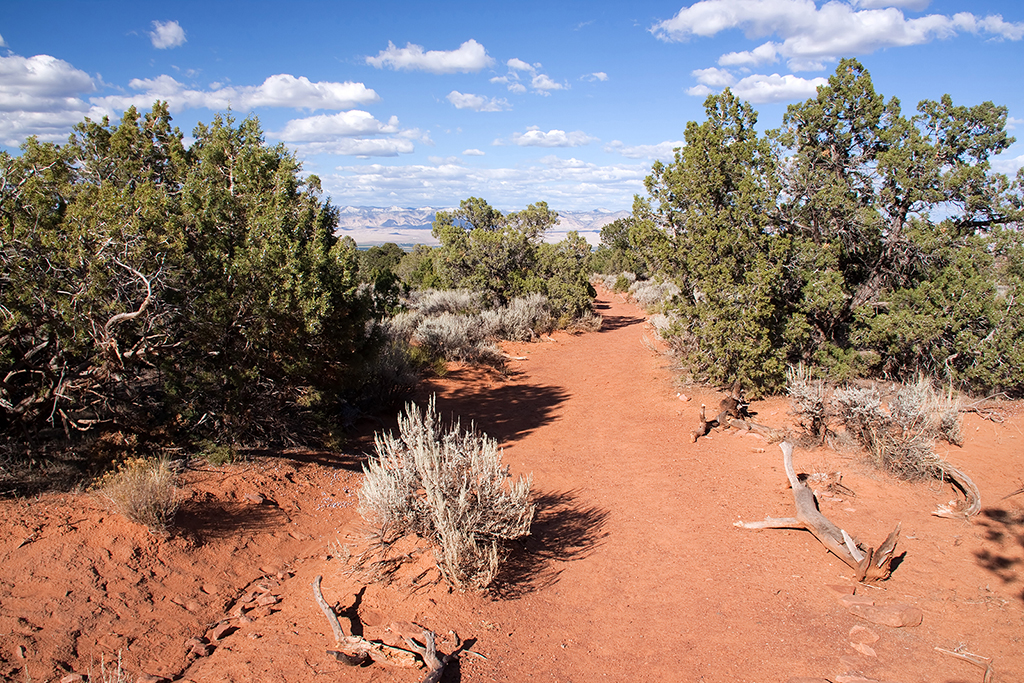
x=634, y=570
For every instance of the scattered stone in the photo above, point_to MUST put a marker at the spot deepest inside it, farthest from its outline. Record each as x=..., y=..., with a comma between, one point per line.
x=266, y=600
x=210, y=589
x=843, y=589
x=150, y=678
x=178, y=601
x=238, y=612
x=261, y=612
x=201, y=650
x=803, y=679
x=221, y=631
x=862, y=634
x=857, y=678
x=851, y=600
x=864, y=649
x=297, y=536
x=759, y=450
x=192, y=606
x=73, y=678
x=283, y=575
x=256, y=498
x=248, y=597
x=192, y=642
x=683, y=397
x=245, y=619
x=20, y=651
x=896, y=616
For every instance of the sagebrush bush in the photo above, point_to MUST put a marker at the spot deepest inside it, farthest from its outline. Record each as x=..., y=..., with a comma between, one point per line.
x=650, y=294
x=449, y=487
x=432, y=302
x=899, y=437
x=526, y=317
x=143, y=490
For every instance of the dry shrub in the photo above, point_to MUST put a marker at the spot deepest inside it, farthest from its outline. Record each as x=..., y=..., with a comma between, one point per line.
x=449, y=487
x=526, y=317
x=143, y=490
x=650, y=294
x=899, y=437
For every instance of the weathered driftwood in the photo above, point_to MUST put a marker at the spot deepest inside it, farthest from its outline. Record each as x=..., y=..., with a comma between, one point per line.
x=978, y=660
x=355, y=650
x=870, y=564
x=960, y=509
x=428, y=651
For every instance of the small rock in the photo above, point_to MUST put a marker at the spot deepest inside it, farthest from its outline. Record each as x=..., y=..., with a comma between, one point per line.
x=851, y=600
x=261, y=612
x=753, y=435
x=281, y=576
x=896, y=616
x=150, y=678
x=862, y=634
x=238, y=612
x=843, y=589
x=192, y=642
x=864, y=649
x=266, y=600
x=203, y=650
x=192, y=606
x=857, y=678
x=220, y=631
x=73, y=678
x=245, y=619
x=257, y=498
x=210, y=589
x=761, y=450
x=20, y=651
x=803, y=679
x=683, y=397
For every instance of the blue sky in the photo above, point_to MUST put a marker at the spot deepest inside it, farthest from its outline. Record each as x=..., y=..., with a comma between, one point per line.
x=426, y=103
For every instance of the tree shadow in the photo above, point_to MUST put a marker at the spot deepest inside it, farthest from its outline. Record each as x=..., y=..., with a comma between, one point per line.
x=564, y=530
x=352, y=462
x=618, y=322
x=213, y=519
x=1006, y=530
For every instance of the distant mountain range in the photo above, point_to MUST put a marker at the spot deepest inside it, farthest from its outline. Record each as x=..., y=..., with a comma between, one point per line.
x=370, y=225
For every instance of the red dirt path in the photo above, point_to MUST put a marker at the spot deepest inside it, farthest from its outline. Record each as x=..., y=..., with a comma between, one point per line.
x=634, y=570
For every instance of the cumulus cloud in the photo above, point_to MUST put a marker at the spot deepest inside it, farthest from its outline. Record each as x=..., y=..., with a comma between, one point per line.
x=42, y=96
x=2, y=43
x=714, y=78
x=473, y=153
x=471, y=56
x=363, y=148
x=535, y=137
x=596, y=76
x=167, y=34
x=477, y=102
x=916, y=5
x=354, y=123
x=812, y=35
x=541, y=83
x=763, y=54
x=662, y=150
x=281, y=90
x=775, y=88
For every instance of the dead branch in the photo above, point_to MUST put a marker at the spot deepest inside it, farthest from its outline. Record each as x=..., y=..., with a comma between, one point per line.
x=959, y=509
x=354, y=650
x=870, y=564
x=428, y=651
x=983, y=662
x=703, y=427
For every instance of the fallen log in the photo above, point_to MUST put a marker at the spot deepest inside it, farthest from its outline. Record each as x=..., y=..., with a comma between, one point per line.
x=869, y=563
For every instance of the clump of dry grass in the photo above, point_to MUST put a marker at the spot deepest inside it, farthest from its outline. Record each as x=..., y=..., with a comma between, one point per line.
x=900, y=437
x=143, y=490
x=449, y=487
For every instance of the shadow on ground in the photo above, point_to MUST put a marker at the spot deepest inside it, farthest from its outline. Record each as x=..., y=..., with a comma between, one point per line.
x=1005, y=531
x=565, y=529
x=617, y=322
x=209, y=519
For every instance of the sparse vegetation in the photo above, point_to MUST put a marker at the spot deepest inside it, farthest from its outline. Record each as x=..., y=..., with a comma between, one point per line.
x=900, y=436
x=449, y=487
x=143, y=490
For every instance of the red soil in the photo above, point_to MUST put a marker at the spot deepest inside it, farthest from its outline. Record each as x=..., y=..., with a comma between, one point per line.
x=634, y=570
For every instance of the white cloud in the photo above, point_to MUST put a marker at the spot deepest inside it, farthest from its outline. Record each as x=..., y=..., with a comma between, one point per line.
x=42, y=96
x=662, y=150
x=763, y=54
x=471, y=56
x=917, y=5
x=813, y=35
x=477, y=102
x=596, y=76
x=353, y=123
x=1012, y=122
x=542, y=84
x=517, y=88
x=535, y=137
x=519, y=65
x=167, y=34
x=699, y=91
x=2, y=43
x=775, y=88
x=281, y=90
x=714, y=78
x=1009, y=166
x=473, y=153
x=363, y=148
